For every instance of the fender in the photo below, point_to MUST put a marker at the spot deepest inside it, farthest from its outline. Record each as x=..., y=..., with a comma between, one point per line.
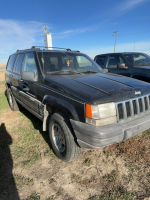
x=63, y=105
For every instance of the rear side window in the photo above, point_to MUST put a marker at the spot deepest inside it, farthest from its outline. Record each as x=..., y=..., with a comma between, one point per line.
x=18, y=63
x=11, y=62
x=100, y=60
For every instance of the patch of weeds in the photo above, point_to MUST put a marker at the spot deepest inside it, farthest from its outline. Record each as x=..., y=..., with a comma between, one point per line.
x=111, y=177
x=146, y=134
x=115, y=195
x=50, y=198
x=74, y=177
x=133, y=168
x=33, y=196
x=20, y=180
x=128, y=177
x=68, y=197
x=107, y=153
x=49, y=152
x=33, y=157
x=88, y=162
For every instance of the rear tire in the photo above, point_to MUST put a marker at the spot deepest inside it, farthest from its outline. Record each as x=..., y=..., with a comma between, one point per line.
x=12, y=102
x=62, y=138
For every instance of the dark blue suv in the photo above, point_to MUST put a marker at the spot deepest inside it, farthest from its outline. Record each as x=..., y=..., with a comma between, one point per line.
x=133, y=64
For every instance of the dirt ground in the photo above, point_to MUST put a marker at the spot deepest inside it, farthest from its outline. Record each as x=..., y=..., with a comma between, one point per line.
x=29, y=169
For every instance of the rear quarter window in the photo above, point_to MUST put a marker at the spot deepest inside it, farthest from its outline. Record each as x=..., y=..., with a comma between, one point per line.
x=11, y=62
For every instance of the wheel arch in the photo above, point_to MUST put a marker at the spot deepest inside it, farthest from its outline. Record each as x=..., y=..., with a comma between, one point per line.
x=53, y=104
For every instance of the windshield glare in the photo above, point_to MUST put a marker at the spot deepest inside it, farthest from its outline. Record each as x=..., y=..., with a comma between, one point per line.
x=138, y=59
x=57, y=63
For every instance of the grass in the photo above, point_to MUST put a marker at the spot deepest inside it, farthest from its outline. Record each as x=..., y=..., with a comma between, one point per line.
x=74, y=177
x=116, y=195
x=49, y=152
x=34, y=196
x=21, y=181
x=3, y=102
x=88, y=162
x=3, y=99
x=28, y=144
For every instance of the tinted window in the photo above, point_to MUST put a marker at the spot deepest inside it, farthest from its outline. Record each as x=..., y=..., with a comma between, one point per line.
x=114, y=60
x=29, y=63
x=11, y=62
x=18, y=63
x=100, y=60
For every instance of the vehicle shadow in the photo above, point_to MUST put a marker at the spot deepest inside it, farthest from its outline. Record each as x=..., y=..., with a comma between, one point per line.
x=8, y=188
x=38, y=124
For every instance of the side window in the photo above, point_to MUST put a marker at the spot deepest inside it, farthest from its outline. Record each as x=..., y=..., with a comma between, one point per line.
x=100, y=60
x=18, y=63
x=11, y=62
x=29, y=63
x=114, y=60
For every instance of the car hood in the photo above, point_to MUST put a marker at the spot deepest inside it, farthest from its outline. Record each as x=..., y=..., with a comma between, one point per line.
x=98, y=88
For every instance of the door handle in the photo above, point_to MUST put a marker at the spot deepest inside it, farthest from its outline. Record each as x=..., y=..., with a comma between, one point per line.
x=24, y=87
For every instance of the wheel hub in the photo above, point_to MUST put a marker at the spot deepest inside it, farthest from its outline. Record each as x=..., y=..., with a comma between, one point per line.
x=58, y=137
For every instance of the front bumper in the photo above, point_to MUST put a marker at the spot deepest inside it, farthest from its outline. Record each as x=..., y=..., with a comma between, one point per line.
x=94, y=137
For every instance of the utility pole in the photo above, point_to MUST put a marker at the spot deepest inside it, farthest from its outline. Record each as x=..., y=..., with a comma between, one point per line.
x=115, y=34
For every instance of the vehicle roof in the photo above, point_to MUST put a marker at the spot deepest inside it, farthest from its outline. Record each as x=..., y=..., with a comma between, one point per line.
x=45, y=50
x=105, y=54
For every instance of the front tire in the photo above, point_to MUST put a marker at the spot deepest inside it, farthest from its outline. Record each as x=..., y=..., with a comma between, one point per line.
x=62, y=138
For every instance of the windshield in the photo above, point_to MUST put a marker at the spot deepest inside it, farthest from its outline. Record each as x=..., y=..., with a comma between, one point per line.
x=138, y=59
x=64, y=62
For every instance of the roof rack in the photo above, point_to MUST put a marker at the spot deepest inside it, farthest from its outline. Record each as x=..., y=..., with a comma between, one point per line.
x=67, y=49
x=22, y=50
x=35, y=47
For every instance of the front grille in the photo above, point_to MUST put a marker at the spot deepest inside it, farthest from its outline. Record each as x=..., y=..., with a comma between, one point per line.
x=126, y=110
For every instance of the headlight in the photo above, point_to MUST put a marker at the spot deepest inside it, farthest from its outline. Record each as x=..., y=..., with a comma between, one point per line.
x=100, y=115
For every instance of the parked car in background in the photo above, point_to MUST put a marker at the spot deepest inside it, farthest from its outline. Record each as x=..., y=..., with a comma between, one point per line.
x=133, y=64
x=81, y=106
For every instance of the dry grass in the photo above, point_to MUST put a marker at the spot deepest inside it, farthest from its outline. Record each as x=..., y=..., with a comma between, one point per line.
x=2, y=76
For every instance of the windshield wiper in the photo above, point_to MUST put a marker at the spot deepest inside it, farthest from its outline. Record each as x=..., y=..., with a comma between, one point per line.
x=89, y=72
x=63, y=72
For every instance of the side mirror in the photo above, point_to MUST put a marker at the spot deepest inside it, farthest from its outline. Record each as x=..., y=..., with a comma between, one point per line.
x=105, y=70
x=122, y=66
x=29, y=76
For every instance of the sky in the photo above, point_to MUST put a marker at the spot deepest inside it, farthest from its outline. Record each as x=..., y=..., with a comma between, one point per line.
x=84, y=25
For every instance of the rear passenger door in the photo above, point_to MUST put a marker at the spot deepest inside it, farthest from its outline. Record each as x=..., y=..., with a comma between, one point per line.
x=16, y=75
x=112, y=63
